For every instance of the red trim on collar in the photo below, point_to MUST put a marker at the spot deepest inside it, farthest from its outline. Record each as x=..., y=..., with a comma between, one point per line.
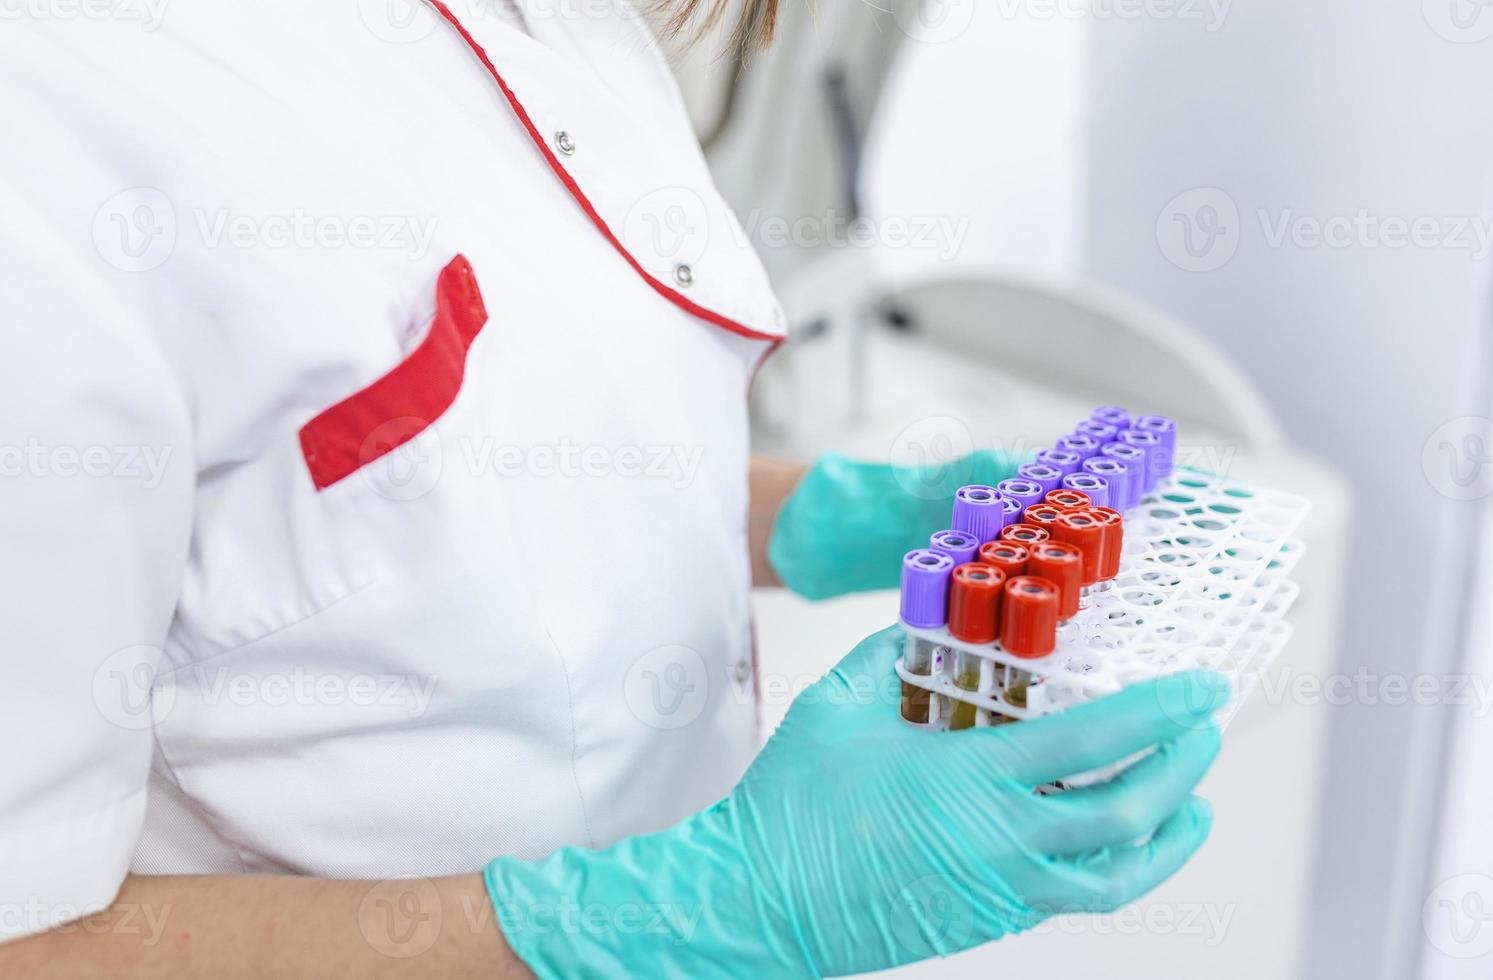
x=405, y=402
x=672, y=295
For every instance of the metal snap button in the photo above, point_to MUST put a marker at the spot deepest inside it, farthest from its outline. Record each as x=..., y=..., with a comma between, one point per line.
x=565, y=142
x=684, y=275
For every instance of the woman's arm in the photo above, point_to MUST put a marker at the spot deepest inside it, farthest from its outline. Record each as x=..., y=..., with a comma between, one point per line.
x=270, y=925
x=771, y=481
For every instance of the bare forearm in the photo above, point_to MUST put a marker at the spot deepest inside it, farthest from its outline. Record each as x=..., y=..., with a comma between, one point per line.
x=771, y=481
x=235, y=927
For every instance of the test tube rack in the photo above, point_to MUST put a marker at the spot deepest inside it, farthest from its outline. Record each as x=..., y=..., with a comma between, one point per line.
x=1204, y=581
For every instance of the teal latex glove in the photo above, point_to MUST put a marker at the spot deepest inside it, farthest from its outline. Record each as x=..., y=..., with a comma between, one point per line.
x=847, y=524
x=857, y=843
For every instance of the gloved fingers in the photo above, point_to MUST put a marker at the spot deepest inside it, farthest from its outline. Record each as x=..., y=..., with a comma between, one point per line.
x=866, y=676
x=1110, y=729
x=1133, y=804
x=1109, y=878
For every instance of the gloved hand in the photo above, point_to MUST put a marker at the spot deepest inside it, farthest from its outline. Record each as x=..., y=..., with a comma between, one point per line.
x=847, y=524
x=856, y=843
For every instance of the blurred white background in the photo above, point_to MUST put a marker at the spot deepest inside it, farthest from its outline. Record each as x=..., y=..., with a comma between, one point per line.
x=1302, y=190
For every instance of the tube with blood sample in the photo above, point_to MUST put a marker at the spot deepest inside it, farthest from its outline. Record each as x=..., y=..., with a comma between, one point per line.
x=1062, y=565
x=1024, y=492
x=1063, y=460
x=1166, y=429
x=1029, y=623
x=1009, y=556
x=1112, y=415
x=1077, y=442
x=1083, y=531
x=958, y=545
x=925, y=597
x=1096, y=488
x=1043, y=514
x=1112, y=545
x=1027, y=534
x=1065, y=499
x=1113, y=472
x=975, y=593
x=1101, y=432
x=979, y=511
x=1044, y=475
x=1135, y=461
x=1156, y=468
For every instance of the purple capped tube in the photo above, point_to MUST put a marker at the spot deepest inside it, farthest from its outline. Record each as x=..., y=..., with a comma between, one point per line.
x=925, y=588
x=1077, y=442
x=1049, y=478
x=1135, y=460
x=1103, y=433
x=1013, y=512
x=1097, y=487
x=978, y=511
x=1112, y=415
x=958, y=545
x=1156, y=465
x=1024, y=492
x=1115, y=474
x=1167, y=430
x=1063, y=460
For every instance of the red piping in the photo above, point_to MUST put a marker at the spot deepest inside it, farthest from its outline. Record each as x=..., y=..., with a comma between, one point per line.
x=672, y=295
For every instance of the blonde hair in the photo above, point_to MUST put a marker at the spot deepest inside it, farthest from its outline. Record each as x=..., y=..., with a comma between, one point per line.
x=754, y=26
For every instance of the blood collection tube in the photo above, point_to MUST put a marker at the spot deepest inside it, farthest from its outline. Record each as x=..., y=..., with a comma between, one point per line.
x=1062, y=565
x=1077, y=442
x=1135, y=460
x=1045, y=476
x=925, y=597
x=1009, y=556
x=1113, y=472
x=1064, y=461
x=1114, y=541
x=958, y=545
x=1065, y=499
x=1156, y=465
x=1024, y=492
x=1167, y=430
x=1026, y=534
x=978, y=510
x=975, y=593
x=1082, y=530
x=1029, y=627
x=1011, y=511
x=1043, y=515
x=1112, y=415
x=1101, y=432
x=1096, y=488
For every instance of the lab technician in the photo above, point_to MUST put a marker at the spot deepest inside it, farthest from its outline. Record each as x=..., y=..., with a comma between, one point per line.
x=378, y=525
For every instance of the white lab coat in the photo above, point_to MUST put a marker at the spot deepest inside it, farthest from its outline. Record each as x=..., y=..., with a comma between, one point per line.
x=246, y=250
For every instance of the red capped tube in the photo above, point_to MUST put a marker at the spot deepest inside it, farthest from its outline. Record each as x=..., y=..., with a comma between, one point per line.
x=1114, y=541
x=1062, y=565
x=1029, y=622
x=1065, y=499
x=975, y=602
x=1084, y=531
x=1009, y=556
x=1042, y=515
x=1027, y=534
